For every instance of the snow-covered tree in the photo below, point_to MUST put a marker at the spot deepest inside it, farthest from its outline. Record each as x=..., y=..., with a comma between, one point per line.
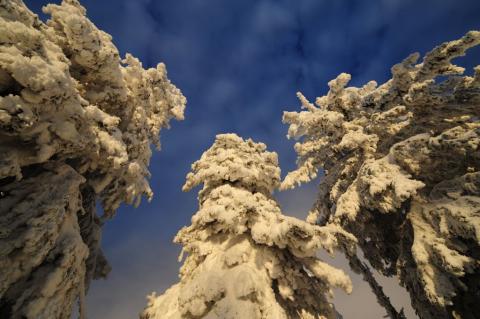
x=245, y=258
x=76, y=125
x=402, y=173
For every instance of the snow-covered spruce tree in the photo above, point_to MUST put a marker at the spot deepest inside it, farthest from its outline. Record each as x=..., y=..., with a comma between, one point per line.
x=245, y=258
x=401, y=165
x=76, y=124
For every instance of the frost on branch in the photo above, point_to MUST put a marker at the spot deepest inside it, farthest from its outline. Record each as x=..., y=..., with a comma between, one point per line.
x=401, y=165
x=245, y=258
x=76, y=124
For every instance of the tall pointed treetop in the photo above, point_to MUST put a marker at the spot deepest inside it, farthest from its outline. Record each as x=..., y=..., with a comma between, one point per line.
x=237, y=161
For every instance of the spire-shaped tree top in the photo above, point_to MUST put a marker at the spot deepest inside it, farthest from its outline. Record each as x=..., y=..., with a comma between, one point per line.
x=231, y=159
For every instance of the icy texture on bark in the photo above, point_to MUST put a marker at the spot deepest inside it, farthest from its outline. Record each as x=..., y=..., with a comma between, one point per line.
x=245, y=258
x=76, y=124
x=401, y=165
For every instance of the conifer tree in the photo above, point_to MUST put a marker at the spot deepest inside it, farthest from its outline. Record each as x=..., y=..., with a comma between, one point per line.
x=402, y=173
x=245, y=258
x=76, y=126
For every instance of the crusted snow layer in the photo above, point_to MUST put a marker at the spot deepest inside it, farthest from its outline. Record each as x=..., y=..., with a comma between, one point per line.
x=76, y=125
x=401, y=162
x=42, y=253
x=245, y=258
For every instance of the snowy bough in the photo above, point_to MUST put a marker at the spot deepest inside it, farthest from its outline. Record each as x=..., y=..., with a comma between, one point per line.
x=402, y=173
x=76, y=125
x=245, y=258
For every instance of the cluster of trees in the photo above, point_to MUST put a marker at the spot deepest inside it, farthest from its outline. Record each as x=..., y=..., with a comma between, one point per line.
x=402, y=182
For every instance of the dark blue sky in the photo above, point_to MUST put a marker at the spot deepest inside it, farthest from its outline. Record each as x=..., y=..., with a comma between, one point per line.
x=240, y=63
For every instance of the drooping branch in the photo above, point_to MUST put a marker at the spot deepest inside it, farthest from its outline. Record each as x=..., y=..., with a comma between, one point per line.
x=367, y=275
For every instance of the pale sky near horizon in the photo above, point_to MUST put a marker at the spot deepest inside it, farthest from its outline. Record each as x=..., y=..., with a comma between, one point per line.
x=240, y=63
